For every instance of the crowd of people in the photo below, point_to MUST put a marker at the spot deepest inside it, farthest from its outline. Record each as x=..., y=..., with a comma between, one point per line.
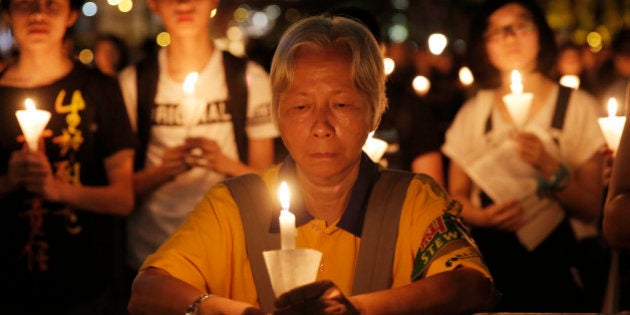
x=153, y=188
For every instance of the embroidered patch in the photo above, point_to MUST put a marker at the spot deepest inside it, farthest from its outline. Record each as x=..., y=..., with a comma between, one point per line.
x=441, y=232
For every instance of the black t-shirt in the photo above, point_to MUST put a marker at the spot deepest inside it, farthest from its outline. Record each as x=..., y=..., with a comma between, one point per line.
x=56, y=255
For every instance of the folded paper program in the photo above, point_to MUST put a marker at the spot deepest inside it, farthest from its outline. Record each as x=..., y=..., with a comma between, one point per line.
x=504, y=176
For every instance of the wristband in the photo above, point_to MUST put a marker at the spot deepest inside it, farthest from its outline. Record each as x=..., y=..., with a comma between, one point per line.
x=194, y=307
x=557, y=182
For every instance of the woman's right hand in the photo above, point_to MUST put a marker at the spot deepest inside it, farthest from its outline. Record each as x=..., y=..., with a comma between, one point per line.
x=506, y=216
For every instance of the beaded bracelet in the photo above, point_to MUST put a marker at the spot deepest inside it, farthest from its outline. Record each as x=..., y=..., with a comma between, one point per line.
x=194, y=307
x=557, y=182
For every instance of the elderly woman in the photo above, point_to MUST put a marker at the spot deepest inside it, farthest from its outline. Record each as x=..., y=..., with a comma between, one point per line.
x=328, y=94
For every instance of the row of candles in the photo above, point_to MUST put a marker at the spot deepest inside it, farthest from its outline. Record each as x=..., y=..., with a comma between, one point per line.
x=33, y=121
x=518, y=104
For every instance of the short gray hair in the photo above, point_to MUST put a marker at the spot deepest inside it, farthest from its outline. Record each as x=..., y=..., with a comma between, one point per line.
x=319, y=31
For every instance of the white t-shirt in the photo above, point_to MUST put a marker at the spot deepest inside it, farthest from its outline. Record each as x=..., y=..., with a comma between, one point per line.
x=163, y=210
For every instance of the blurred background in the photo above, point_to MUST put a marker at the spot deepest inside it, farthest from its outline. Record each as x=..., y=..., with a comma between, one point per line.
x=252, y=27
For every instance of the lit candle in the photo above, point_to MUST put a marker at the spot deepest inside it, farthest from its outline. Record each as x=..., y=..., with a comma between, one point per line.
x=570, y=80
x=517, y=102
x=189, y=105
x=32, y=122
x=287, y=219
x=375, y=148
x=612, y=126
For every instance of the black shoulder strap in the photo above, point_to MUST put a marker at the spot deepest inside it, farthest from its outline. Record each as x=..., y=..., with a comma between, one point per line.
x=254, y=203
x=562, y=103
x=237, y=101
x=380, y=231
x=560, y=111
x=147, y=74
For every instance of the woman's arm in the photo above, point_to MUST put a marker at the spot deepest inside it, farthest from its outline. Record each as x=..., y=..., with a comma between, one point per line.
x=156, y=292
x=116, y=198
x=429, y=163
x=504, y=216
x=33, y=171
x=459, y=291
x=261, y=156
x=583, y=194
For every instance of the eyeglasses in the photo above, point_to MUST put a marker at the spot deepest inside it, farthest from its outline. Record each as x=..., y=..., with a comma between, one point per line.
x=519, y=29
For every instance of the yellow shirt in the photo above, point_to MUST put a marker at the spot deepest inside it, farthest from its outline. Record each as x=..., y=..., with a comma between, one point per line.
x=208, y=250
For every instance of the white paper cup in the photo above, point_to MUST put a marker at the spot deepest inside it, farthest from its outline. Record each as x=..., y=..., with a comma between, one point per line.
x=291, y=268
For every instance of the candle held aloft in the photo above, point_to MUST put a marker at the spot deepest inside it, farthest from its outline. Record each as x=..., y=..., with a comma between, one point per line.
x=287, y=219
x=32, y=122
x=612, y=126
x=517, y=102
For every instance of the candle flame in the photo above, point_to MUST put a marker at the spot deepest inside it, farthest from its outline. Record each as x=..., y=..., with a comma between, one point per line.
x=517, y=83
x=612, y=107
x=283, y=195
x=29, y=104
x=465, y=76
x=189, y=82
x=570, y=80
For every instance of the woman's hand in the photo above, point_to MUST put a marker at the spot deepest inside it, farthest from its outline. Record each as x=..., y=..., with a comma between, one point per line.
x=322, y=297
x=32, y=171
x=207, y=153
x=174, y=160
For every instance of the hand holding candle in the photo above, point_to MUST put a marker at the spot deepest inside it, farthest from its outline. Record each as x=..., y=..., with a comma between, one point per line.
x=517, y=102
x=32, y=122
x=612, y=126
x=287, y=219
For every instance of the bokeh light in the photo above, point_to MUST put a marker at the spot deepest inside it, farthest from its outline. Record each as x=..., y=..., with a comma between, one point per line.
x=163, y=39
x=89, y=8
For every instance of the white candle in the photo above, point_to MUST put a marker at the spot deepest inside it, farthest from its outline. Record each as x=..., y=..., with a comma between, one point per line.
x=189, y=104
x=287, y=219
x=32, y=122
x=375, y=148
x=517, y=102
x=612, y=126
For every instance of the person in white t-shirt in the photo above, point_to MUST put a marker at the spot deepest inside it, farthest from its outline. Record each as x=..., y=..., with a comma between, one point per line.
x=191, y=140
x=526, y=188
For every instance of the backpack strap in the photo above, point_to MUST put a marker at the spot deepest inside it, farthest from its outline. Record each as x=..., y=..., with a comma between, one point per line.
x=254, y=203
x=237, y=101
x=562, y=103
x=147, y=73
x=380, y=232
